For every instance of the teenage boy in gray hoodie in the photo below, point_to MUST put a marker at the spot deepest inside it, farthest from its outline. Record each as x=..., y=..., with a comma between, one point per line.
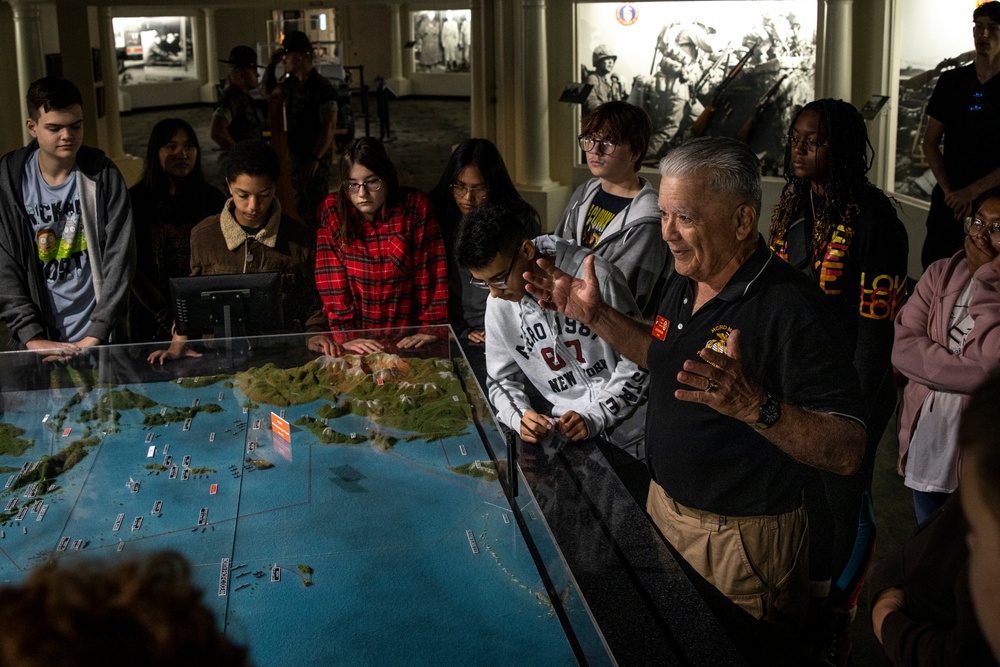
x=593, y=390
x=615, y=214
x=67, y=251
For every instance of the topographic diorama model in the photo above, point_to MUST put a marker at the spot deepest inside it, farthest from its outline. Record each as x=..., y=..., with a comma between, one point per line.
x=378, y=533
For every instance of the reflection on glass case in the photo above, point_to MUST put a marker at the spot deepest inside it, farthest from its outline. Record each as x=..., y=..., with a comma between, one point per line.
x=336, y=509
x=442, y=41
x=703, y=67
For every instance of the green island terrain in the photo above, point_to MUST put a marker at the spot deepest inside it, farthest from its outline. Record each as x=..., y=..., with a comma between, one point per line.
x=48, y=468
x=178, y=414
x=327, y=435
x=199, y=382
x=307, y=573
x=482, y=469
x=259, y=464
x=11, y=442
x=158, y=467
x=417, y=395
x=202, y=471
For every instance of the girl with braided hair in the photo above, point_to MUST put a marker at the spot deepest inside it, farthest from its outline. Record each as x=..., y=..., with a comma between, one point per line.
x=843, y=233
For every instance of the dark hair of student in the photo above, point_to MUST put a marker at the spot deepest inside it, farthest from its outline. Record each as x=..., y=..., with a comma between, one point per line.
x=251, y=158
x=50, y=93
x=153, y=176
x=370, y=153
x=977, y=203
x=979, y=436
x=850, y=155
x=482, y=154
x=621, y=122
x=990, y=10
x=485, y=233
x=141, y=612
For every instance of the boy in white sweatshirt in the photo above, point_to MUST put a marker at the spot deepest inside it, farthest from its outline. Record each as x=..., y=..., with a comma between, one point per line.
x=594, y=392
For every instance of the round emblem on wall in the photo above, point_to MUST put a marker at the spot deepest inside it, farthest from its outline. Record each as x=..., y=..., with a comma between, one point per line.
x=627, y=14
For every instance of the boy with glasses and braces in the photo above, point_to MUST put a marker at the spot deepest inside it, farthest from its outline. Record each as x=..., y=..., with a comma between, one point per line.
x=594, y=391
x=615, y=214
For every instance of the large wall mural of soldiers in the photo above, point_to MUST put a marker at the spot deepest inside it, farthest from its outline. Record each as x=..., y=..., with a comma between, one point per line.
x=934, y=38
x=442, y=41
x=703, y=67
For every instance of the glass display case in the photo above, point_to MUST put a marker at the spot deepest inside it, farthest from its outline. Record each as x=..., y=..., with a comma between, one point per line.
x=339, y=510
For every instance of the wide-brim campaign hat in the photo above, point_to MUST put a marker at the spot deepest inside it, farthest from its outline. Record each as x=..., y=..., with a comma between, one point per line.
x=296, y=41
x=241, y=56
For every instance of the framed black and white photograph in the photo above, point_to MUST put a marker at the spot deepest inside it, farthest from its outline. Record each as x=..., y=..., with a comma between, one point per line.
x=934, y=37
x=153, y=49
x=703, y=67
x=442, y=41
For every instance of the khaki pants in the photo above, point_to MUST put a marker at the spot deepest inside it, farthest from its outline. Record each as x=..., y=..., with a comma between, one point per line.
x=758, y=562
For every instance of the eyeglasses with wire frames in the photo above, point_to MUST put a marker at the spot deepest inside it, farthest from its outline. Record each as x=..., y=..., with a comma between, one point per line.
x=811, y=145
x=496, y=284
x=591, y=144
x=477, y=191
x=976, y=227
x=371, y=185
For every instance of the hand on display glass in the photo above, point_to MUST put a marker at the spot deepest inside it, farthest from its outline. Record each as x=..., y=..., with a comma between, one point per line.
x=415, y=341
x=325, y=345
x=363, y=346
x=54, y=350
x=176, y=350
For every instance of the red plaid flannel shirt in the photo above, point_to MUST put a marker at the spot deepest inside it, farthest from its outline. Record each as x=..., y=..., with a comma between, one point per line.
x=393, y=275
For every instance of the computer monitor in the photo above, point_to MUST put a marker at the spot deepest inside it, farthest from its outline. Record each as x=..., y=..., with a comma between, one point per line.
x=234, y=304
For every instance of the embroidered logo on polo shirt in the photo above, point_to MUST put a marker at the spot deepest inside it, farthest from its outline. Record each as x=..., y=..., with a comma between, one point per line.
x=720, y=338
x=660, y=327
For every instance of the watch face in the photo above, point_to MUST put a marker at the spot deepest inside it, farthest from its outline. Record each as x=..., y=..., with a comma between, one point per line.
x=770, y=413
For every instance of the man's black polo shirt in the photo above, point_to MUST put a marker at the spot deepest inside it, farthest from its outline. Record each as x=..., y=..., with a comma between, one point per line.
x=789, y=345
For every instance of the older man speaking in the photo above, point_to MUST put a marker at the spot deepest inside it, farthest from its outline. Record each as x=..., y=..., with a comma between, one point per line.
x=749, y=382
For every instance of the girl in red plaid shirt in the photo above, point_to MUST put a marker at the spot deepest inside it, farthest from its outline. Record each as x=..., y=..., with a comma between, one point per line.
x=380, y=259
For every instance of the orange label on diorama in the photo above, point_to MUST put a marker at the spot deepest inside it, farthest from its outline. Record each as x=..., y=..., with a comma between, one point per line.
x=660, y=327
x=280, y=427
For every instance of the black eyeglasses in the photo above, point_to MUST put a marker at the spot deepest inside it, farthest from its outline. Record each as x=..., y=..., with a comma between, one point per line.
x=591, y=144
x=811, y=145
x=476, y=191
x=372, y=185
x=496, y=284
x=975, y=227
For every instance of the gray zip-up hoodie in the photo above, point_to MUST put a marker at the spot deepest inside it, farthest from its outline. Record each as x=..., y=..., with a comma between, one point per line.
x=107, y=224
x=571, y=367
x=632, y=241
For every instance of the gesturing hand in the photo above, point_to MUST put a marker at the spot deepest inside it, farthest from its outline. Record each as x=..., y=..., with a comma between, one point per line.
x=722, y=383
x=576, y=298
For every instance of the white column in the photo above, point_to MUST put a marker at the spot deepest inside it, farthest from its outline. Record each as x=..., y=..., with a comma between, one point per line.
x=28, y=45
x=397, y=80
x=837, y=48
x=211, y=57
x=533, y=148
x=531, y=116
x=112, y=107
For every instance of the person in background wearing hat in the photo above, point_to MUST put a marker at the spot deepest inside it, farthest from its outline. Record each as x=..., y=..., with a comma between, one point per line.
x=964, y=110
x=606, y=86
x=237, y=117
x=310, y=116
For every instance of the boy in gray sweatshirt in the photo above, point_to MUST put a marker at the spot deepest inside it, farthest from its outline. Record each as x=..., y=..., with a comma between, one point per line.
x=594, y=392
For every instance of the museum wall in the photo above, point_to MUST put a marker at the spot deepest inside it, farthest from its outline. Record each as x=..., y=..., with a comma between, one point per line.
x=365, y=33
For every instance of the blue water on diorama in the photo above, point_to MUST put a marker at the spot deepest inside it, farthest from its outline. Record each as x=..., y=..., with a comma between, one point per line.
x=337, y=554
